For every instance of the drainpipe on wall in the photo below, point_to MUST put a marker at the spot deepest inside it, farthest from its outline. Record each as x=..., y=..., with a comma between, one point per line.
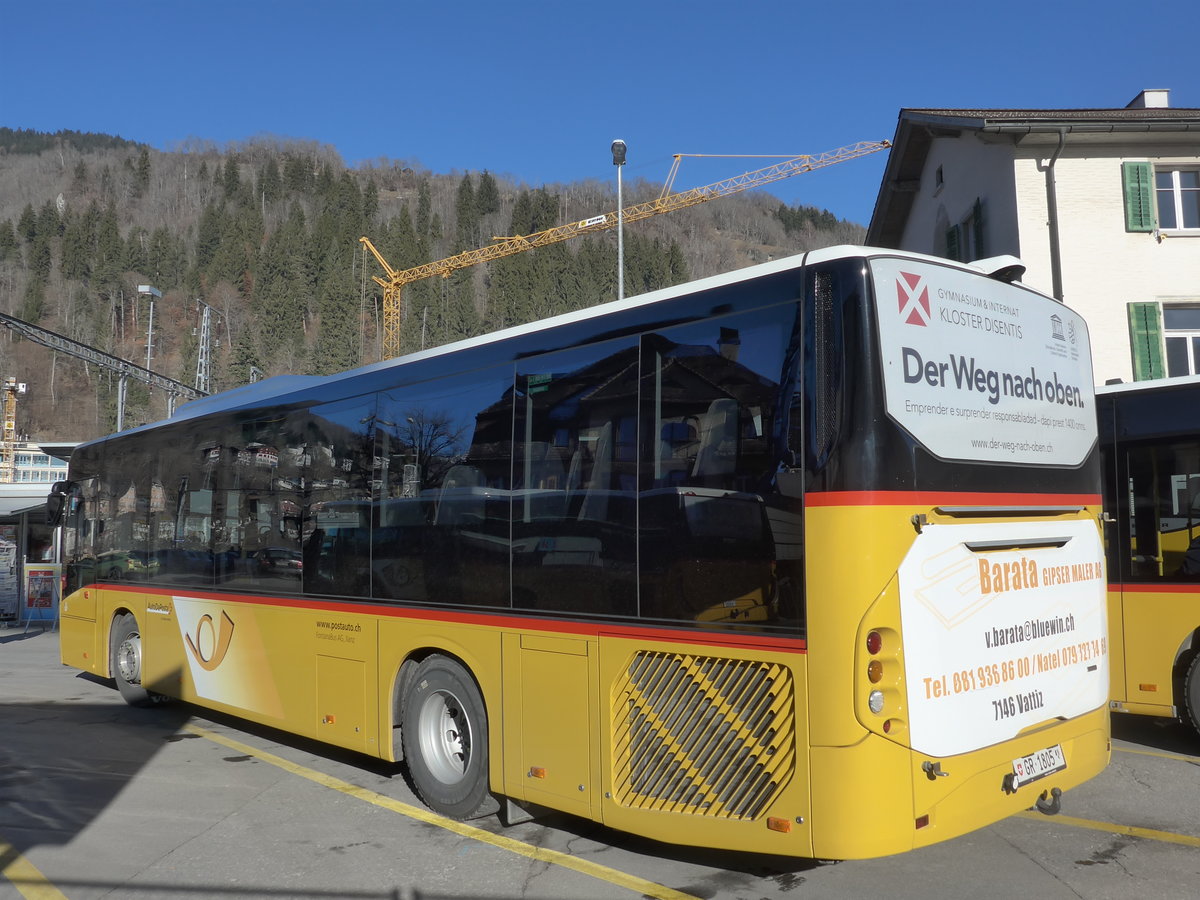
x=1052, y=209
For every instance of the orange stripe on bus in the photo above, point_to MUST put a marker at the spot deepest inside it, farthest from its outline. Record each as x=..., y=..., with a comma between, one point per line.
x=1164, y=588
x=942, y=498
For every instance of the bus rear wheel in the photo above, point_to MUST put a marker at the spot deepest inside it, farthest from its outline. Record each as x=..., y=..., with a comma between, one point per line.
x=1191, y=692
x=125, y=662
x=444, y=733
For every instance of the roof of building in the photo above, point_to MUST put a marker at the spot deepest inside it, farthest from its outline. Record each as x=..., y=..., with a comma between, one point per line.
x=1146, y=115
x=917, y=128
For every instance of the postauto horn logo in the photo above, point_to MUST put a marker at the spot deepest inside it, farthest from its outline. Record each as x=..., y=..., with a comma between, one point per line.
x=210, y=643
x=913, y=296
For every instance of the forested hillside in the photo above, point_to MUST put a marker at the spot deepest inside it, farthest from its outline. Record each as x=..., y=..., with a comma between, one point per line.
x=267, y=234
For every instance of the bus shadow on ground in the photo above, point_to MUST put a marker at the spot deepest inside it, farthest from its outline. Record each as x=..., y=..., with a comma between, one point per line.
x=731, y=864
x=63, y=761
x=11, y=634
x=1167, y=735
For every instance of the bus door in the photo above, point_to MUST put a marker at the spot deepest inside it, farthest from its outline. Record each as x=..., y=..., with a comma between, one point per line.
x=1160, y=568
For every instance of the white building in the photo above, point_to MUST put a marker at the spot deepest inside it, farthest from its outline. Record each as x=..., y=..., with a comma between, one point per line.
x=1102, y=205
x=33, y=465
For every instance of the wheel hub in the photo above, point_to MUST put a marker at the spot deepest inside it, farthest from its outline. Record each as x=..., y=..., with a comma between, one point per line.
x=445, y=737
x=129, y=659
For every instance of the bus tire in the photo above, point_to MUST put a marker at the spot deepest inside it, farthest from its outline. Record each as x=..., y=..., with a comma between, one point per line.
x=445, y=734
x=1191, y=692
x=125, y=661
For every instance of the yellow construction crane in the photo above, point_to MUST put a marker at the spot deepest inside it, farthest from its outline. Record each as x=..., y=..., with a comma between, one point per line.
x=395, y=281
x=8, y=445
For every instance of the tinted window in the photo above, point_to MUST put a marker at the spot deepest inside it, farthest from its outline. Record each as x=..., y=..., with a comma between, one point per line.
x=718, y=537
x=442, y=460
x=574, y=480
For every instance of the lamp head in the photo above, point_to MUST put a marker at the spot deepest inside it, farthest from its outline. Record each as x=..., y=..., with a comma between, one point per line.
x=618, y=152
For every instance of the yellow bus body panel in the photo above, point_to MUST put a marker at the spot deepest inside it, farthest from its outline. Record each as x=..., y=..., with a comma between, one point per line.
x=79, y=632
x=873, y=789
x=693, y=789
x=1157, y=628
x=1116, y=646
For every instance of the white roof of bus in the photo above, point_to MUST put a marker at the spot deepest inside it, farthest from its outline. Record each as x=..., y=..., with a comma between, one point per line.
x=1178, y=381
x=283, y=385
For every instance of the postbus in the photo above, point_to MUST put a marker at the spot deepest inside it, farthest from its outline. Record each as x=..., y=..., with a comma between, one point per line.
x=1150, y=452
x=801, y=559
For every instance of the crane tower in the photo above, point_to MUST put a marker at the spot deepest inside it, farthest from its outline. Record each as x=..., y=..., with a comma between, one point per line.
x=8, y=445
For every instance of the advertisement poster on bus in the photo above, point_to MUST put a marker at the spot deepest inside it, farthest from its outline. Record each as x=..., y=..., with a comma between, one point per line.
x=978, y=369
x=1002, y=631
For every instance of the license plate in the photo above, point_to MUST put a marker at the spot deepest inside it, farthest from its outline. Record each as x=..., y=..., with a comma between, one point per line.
x=1038, y=765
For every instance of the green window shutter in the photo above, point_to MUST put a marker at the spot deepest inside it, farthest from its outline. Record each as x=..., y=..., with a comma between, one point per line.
x=952, y=242
x=1138, y=181
x=977, y=222
x=1145, y=341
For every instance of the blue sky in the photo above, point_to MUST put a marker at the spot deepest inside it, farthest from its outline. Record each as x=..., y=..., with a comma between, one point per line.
x=538, y=90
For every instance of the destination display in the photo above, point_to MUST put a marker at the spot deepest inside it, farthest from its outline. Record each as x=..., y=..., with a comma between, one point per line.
x=981, y=370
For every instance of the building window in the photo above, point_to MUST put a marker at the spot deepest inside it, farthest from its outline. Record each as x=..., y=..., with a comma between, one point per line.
x=1178, y=194
x=1181, y=337
x=964, y=241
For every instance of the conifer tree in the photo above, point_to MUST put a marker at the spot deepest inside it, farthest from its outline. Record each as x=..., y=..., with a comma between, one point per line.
x=49, y=223
x=466, y=216
x=208, y=235
x=141, y=180
x=487, y=197
x=270, y=182
x=231, y=179
x=337, y=345
x=40, y=258
x=296, y=174
x=370, y=207
x=8, y=240
x=33, y=302
x=27, y=223
x=424, y=216
x=77, y=244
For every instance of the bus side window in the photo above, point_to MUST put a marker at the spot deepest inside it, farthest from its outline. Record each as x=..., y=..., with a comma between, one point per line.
x=574, y=465
x=1164, y=514
x=715, y=534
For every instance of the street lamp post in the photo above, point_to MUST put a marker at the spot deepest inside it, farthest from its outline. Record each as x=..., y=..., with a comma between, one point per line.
x=150, y=292
x=618, y=153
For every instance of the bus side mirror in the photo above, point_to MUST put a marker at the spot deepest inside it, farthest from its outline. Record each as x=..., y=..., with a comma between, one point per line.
x=56, y=502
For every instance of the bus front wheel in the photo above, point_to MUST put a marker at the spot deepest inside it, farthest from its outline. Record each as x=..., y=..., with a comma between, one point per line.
x=444, y=734
x=1191, y=692
x=125, y=661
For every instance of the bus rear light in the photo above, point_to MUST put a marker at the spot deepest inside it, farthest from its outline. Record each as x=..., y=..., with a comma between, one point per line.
x=874, y=671
x=783, y=826
x=875, y=702
x=874, y=642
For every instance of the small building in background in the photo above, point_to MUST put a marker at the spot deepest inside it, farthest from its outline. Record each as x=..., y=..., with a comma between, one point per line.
x=28, y=546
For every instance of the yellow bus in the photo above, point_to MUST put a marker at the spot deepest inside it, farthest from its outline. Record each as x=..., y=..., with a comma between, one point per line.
x=1150, y=452
x=802, y=559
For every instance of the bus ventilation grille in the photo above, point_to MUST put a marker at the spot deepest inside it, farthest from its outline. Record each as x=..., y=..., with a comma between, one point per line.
x=702, y=735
